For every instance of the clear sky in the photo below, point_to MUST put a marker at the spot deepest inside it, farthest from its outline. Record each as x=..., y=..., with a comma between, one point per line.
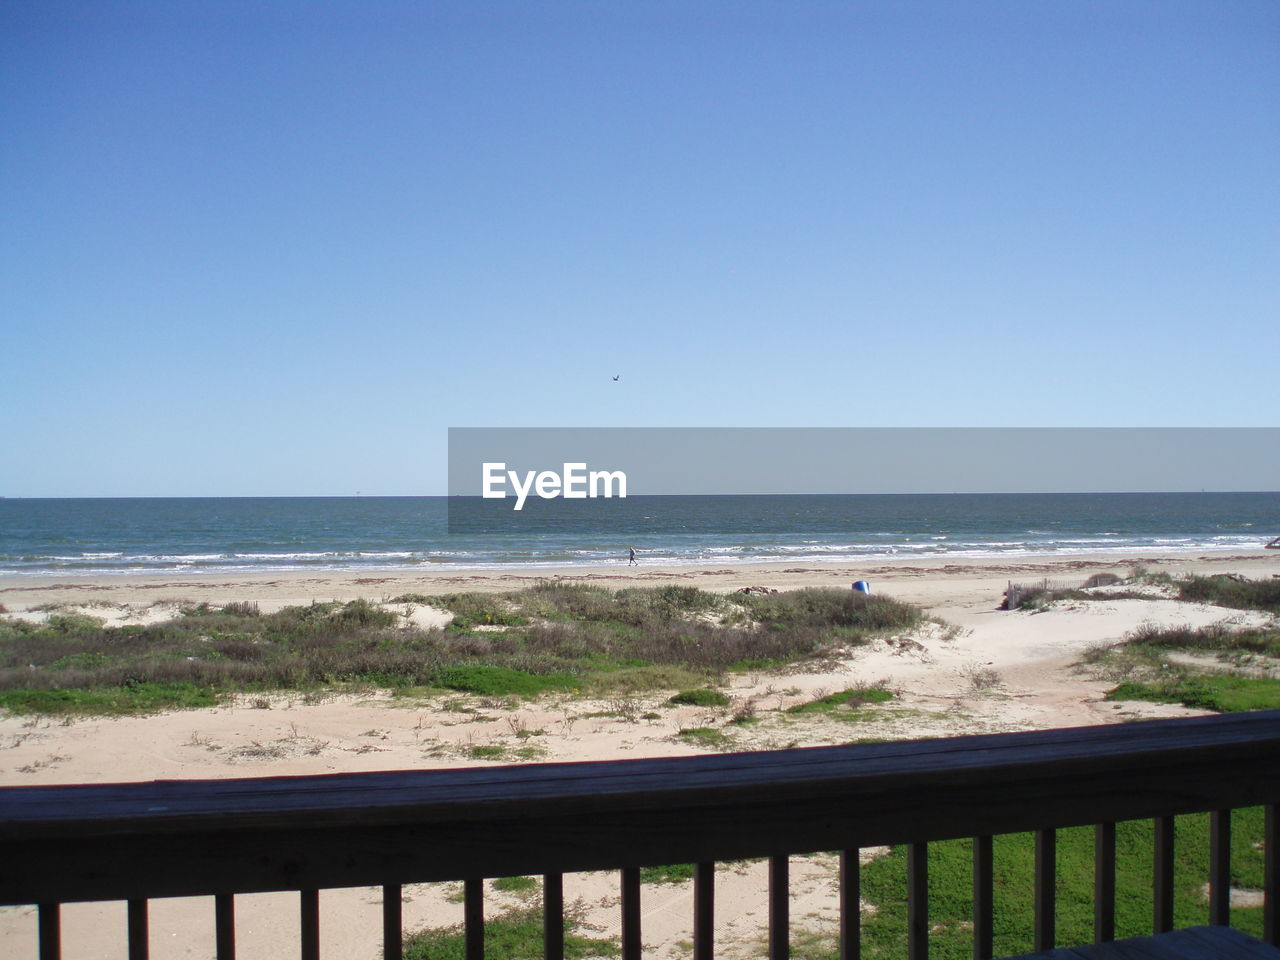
x=278, y=248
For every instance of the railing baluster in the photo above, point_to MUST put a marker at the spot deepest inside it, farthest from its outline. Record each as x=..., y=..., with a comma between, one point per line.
x=1162, y=884
x=779, y=908
x=1271, y=876
x=473, y=916
x=309, y=918
x=553, y=916
x=983, y=898
x=224, y=925
x=850, y=905
x=1220, y=868
x=392, y=921
x=917, y=901
x=631, y=943
x=50, y=928
x=139, y=941
x=704, y=911
x=1046, y=880
x=1104, y=882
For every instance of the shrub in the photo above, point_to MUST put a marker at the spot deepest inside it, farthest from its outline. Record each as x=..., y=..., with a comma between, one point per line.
x=821, y=607
x=1213, y=637
x=700, y=698
x=479, y=609
x=1232, y=591
x=849, y=699
x=73, y=622
x=365, y=614
x=500, y=681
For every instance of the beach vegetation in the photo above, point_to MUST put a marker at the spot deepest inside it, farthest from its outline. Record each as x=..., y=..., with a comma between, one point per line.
x=68, y=623
x=707, y=737
x=951, y=889
x=1224, y=590
x=857, y=616
x=1221, y=692
x=512, y=935
x=478, y=609
x=633, y=680
x=844, y=702
x=520, y=886
x=501, y=681
x=699, y=698
x=981, y=676
x=125, y=700
x=1040, y=596
x=1214, y=638
x=553, y=639
x=1228, y=590
x=667, y=873
x=1166, y=665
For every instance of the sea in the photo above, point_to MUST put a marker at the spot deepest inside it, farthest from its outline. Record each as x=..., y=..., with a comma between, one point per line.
x=80, y=537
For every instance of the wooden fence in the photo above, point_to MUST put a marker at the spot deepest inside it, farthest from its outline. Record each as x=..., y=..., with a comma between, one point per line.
x=139, y=841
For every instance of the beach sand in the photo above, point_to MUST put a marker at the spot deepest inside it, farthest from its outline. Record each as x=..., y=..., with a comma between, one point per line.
x=981, y=670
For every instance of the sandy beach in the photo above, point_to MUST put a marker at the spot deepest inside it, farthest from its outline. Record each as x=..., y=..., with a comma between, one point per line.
x=975, y=669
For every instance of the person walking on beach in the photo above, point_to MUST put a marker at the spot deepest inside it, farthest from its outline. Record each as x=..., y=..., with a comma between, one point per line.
x=633, y=562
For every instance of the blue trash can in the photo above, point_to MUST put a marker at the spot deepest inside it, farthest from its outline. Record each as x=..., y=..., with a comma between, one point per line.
x=862, y=586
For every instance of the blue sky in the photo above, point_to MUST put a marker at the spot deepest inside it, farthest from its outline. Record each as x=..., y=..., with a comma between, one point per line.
x=278, y=248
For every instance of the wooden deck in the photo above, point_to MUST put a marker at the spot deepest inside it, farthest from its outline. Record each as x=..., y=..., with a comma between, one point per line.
x=1194, y=943
x=137, y=841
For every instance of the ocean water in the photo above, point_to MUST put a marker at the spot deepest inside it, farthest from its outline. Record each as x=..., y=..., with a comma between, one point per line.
x=215, y=535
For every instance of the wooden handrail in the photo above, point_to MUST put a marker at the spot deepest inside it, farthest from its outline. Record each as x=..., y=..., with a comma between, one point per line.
x=139, y=840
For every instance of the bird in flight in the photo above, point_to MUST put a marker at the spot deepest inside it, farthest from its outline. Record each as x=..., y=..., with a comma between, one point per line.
x=617, y=378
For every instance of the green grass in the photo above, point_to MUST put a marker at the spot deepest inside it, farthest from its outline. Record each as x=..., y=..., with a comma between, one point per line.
x=950, y=887
x=556, y=638
x=517, y=885
x=668, y=873
x=1223, y=692
x=138, y=699
x=707, y=737
x=513, y=935
x=700, y=698
x=478, y=609
x=844, y=701
x=501, y=681
x=1141, y=661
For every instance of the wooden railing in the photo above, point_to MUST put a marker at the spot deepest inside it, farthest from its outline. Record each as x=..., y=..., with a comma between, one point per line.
x=138, y=841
